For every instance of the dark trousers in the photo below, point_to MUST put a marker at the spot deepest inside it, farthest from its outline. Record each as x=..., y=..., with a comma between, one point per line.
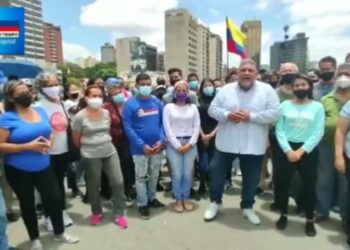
x=128, y=168
x=250, y=167
x=59, y=164
x=45, y=181
x=205, y=155
x=307, y=169
x=128, y=171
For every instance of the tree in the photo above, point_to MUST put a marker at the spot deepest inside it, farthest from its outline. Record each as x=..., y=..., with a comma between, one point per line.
x=71, y=70
x=103, y=70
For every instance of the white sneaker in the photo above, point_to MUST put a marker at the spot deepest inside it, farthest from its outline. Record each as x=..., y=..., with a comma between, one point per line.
x=36, y=245
x=66, y=238
x=211, y=211
x=251, y=216
x=48, y=224
x=67, y=220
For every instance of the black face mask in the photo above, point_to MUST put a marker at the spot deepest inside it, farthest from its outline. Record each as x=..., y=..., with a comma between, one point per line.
x=273, y=83
x=289, y=78
x=24, y=99
x=327, y=76
x=74, y=96
x=301, y=93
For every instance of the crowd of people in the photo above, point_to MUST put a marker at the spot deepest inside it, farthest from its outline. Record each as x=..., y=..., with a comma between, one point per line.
x=117, y=139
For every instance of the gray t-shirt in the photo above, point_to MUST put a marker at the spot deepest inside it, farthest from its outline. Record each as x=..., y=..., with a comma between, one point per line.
x=96, y=141
x=345, y=112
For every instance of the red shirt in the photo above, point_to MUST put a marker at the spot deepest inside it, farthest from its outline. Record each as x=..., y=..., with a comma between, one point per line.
x=116, y=130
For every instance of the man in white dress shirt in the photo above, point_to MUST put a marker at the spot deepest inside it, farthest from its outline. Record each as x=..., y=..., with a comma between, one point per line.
x=244, y=110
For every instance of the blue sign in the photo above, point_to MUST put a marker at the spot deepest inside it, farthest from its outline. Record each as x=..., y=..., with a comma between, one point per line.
x=12, y=33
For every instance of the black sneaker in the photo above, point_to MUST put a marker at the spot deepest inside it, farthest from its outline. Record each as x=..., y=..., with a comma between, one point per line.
x=144, y=212
x=310, y=229
x=281, y=224
x=160, y=187
x=156, y=204
x=274, y=207
x=194, y=195
x=259, y=191
x=12, y=217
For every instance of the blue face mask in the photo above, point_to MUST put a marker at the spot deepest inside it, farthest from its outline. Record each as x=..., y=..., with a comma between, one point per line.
x=119, y=98
x=193, y=85
x=145, y=91
x=208, y=91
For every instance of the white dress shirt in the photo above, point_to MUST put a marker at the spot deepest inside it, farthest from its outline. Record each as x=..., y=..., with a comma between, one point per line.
x=248, y=138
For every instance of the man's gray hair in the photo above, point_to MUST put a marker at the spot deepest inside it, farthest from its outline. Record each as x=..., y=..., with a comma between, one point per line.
x=247, y=61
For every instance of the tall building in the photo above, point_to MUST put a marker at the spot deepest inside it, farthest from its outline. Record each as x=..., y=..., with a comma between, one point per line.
x=215, y=56
x=53, y=43
x=187, y=44
x=252, y=29
x=160, y=62
x=108, y=53
x=134, y=55
x=294, y=50
x=34, y=37
x=87, y=62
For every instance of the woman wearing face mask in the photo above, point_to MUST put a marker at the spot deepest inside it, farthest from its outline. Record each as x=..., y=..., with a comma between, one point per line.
x=206, y=142
x=299, y=130
x=115, y=106
x=193, y=83
x=26, y=139
x=49, y=89
x=91, y=133
x=181, y=124
x=74, y=172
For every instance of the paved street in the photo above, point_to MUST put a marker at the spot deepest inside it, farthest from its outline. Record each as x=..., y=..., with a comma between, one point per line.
x=169, y=231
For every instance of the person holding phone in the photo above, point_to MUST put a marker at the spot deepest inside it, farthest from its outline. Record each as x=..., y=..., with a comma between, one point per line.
x=26, y=140
x=142, y=119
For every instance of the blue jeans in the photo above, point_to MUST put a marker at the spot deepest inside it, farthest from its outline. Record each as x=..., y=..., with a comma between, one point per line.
x=146, y=172
x=327, y=176
x=3, y=223
x=181, y=171
x=250, y=167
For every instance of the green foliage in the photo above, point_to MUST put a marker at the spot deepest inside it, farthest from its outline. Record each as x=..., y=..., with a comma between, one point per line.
x=101, y=70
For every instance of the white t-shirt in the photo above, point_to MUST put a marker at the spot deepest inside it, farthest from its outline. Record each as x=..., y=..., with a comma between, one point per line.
x=59, y=125
x=68, y=104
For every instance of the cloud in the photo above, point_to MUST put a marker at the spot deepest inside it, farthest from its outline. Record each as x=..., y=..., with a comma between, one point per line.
x=266, y=42
x=326, y=24
x=140, y=18
x=262, y=4
x=73, y=51
x=213, y=12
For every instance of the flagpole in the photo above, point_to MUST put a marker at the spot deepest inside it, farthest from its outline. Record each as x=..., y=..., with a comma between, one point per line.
x=227, y=54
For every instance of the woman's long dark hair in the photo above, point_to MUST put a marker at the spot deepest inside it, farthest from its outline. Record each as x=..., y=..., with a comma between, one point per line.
x=9, y=91
x=204, y=101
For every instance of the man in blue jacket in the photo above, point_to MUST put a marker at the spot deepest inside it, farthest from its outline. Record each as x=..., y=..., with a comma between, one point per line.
x=143, y=126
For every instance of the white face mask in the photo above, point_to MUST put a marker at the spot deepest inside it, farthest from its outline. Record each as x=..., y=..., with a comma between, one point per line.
x=95, y=102
x=53, y=92
x=343, y=82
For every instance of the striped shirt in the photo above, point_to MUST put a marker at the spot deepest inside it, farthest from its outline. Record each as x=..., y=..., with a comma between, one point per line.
x=248, y=138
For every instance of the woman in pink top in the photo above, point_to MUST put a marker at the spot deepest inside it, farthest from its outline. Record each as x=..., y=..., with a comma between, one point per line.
x=181, y=124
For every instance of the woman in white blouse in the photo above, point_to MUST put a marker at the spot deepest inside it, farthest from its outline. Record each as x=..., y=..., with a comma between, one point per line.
x=181, y=124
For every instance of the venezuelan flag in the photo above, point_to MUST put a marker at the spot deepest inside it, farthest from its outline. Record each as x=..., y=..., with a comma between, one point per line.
x=235, y=39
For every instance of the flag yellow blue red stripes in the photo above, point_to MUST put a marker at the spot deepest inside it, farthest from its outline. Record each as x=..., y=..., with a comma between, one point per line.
x=235, y=39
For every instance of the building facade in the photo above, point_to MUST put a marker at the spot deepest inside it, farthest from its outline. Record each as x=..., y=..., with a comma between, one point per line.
x=34, y=37
x=215, y=57
x=294, y=50
x=134, y=55
x=160, y=62
x=188, y=44
x=53, y=43
x=108, y=53
x=252, y=29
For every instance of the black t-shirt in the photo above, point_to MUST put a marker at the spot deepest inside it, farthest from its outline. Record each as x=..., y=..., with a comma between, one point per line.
x=208, y=124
